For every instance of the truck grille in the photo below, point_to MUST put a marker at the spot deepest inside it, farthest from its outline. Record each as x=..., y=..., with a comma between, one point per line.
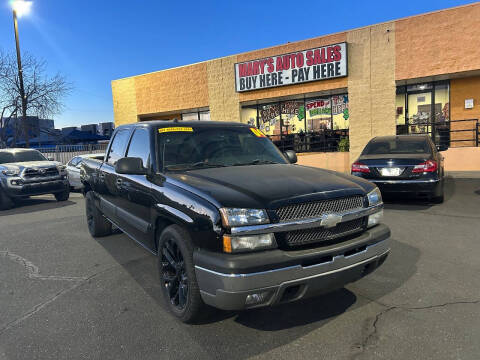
x=317, y=208
x=42, y=172
x=309, y=236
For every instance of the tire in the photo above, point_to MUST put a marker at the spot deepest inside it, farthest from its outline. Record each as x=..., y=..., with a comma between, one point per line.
x=63, y=196
x=438, y=199
x=5, y=202
x=98, y=226
x=177, y=275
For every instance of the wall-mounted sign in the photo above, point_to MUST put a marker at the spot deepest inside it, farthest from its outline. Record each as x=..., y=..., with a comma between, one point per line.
x=321, y=63
x=468, y=103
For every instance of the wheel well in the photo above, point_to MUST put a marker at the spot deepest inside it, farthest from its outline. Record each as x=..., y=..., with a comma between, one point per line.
x=160, y=225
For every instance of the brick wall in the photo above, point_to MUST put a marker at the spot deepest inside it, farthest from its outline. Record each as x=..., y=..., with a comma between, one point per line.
x=124, y=101
x=443, y=42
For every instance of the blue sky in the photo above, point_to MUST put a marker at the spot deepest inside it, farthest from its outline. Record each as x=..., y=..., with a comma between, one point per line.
x=94, y=42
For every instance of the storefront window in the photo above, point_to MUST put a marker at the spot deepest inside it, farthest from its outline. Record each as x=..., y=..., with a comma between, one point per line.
x=269, y=120
x=293, y=117
x=314, y=124
x=204, y=115
x=442, y=103
x=249, y=115
x=340, y=115
x=190, y=116
x=319, y=114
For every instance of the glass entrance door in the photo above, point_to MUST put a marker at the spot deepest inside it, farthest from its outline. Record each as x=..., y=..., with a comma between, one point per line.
x=419, y=115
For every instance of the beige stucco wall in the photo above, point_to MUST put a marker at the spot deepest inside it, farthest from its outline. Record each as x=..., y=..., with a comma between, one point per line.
x=337, y=161
x=124, y=101
x=371, y=84
x=222, y=97
x=462, y=159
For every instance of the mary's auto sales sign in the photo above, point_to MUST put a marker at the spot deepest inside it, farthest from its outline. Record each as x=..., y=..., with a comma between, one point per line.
x=321, y=63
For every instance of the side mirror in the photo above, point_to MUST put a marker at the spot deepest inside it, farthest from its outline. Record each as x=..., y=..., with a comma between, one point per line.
x=442, y=147
x=130, y=166
x=291, y=156
x=50, y=158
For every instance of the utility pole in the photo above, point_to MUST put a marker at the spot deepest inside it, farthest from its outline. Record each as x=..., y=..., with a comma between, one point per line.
x=20, y=78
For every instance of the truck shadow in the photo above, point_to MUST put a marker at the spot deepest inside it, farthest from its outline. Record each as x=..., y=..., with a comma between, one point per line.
x=261, y=330
x=35, y=204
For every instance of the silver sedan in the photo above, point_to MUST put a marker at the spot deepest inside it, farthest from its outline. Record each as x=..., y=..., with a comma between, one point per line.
x=73, y=169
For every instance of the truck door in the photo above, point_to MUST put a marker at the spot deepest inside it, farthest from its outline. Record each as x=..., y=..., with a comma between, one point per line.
x=135, y=196
x=109, y=194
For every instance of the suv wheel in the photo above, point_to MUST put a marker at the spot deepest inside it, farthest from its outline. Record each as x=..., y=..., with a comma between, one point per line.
x=97, y=225
x=177, y=274
x=5, y=202
x=63, y=196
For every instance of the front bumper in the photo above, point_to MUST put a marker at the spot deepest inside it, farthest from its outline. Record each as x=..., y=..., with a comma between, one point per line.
x=32, y=188
x=226, y=281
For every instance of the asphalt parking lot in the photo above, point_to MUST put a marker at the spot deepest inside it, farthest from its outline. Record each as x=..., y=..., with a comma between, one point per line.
x=65, y=295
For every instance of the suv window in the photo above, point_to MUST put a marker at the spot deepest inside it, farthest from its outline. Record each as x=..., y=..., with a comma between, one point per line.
x=117, y=149
x=140, y=146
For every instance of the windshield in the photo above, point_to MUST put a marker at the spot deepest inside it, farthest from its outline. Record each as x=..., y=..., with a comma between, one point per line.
x=184, y=148
x=20, y=156
x=397, y=146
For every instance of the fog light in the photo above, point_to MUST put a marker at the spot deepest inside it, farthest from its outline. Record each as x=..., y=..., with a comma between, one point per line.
x=16, y=182
x=255, y=299
x=375, y=219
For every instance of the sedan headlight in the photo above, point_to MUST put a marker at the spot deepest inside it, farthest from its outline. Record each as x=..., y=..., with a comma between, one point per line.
x=11, y=172
x=233, y=244
x=374, y=197
x=238, y=217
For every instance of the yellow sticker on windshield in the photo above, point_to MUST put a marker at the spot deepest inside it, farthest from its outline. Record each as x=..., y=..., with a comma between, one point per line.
x=175, y=129
x=257, y=132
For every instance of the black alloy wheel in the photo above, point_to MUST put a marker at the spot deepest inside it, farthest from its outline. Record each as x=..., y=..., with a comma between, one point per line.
x=178, y=280
x=174, y=274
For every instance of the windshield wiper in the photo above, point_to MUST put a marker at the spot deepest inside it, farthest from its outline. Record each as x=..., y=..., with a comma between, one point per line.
x=205, y=164
x=256, y=162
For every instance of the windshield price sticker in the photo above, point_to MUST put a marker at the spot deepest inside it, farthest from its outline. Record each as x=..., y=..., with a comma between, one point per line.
x=257, y=132
x=175, y=129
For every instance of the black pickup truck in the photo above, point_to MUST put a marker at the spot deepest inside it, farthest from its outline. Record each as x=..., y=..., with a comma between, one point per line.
x=235, y=224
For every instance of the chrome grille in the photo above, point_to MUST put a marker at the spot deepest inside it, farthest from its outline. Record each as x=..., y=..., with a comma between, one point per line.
x=309, y=236
x=42, y=172
x=317, y=208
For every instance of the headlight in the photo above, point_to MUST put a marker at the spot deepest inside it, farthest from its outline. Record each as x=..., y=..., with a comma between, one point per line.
x=374, y=197
x=11, y=172
x=232, y=244
x=238, y=217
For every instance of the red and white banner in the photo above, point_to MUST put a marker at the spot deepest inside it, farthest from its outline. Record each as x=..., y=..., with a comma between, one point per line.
x=321, y=63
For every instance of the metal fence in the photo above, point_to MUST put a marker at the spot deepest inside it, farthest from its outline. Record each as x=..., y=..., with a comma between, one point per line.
x=64, y=153
x=320, y=141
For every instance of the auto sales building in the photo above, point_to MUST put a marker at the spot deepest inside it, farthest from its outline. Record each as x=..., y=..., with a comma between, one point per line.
x=326, y=97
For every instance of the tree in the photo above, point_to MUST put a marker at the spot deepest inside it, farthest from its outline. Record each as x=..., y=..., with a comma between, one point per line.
x=44, y=95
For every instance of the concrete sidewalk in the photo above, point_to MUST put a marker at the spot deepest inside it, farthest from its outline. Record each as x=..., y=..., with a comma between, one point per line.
x=463, y=174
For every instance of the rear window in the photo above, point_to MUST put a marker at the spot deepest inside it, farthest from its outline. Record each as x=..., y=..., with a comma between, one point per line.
x=397, y=146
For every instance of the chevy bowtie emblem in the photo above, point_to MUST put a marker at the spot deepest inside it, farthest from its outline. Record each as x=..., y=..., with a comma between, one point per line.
x=330, y=220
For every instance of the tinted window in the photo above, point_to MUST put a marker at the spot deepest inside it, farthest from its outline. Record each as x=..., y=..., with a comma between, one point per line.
x=397, y=146
x=197, y=147
x=21, y=156
x=140, y=146
x=118, y=146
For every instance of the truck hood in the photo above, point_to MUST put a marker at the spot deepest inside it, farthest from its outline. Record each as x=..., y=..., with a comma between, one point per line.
x=269, y=186
x=29, y=164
